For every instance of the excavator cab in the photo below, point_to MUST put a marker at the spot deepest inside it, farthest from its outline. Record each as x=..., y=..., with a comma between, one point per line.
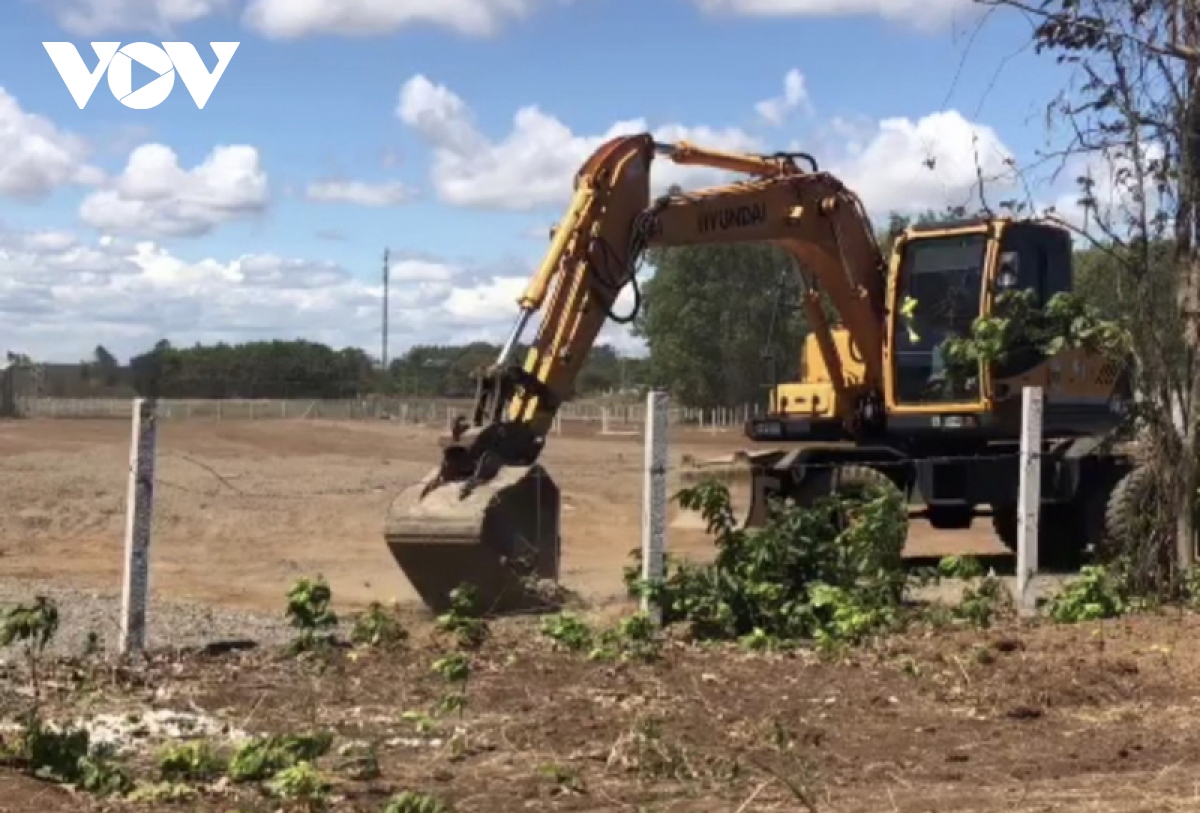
x=944, y=276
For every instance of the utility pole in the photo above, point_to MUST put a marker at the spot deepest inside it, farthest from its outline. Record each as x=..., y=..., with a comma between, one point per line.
x=386, y=278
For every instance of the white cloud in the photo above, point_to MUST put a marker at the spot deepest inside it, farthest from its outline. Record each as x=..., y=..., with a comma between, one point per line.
x=926, y=14
x=415, y=270
x=156, y=197
x=35, y=156
x=297, y=18
x=931, y=163
x=60, y=296
x=360, y=193
x=795, y=96
x=99, y=16
x=534, y=164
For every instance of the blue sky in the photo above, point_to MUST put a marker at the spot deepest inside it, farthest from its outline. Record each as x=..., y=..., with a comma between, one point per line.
x=447, y=130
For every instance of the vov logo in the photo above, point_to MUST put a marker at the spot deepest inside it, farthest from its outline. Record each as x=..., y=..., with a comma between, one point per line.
x=171, y=58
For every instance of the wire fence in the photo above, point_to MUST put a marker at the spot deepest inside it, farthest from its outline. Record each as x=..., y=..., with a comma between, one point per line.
x=608, y=419
x=239, y=516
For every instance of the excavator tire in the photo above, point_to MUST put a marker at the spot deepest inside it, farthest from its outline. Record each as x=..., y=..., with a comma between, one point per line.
x=1126, y=516
x=845, y=481
x=503, y=538
x=849, y=481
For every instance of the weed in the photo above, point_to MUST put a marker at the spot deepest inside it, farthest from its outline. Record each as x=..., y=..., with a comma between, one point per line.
x=308, y=611
x=1097, y=593
x=358, y=760
x=634, y=638
x=568, y=631
x=194, y=761
x=161, y=793
x=462, y=620
x=378, y=627
x=644, y=752
x=264, y=757
x=450, y=703
x=983, y=602
x=411, y=801
x=831, y=571
x=421, y=722
x=455, y=668
x=67, y=756
x=34, y=627
x=301, y=783
x=566, y=780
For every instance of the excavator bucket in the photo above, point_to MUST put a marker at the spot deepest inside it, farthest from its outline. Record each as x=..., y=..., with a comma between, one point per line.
x=502, y=538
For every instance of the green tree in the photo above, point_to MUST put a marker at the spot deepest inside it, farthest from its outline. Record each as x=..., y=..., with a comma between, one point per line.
x=708, y=314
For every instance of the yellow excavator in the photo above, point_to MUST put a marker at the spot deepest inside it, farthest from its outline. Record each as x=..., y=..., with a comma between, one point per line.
x=873, y=405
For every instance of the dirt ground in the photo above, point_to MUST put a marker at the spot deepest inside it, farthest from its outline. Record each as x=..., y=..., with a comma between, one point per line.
x=242, y=508
x=1026, y=717
x=1099, y=718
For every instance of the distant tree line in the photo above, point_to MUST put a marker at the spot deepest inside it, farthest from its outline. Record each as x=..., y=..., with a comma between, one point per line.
x=303, y=369
x=710, y=318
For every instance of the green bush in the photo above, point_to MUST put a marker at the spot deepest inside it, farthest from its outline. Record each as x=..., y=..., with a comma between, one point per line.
x=830, y=572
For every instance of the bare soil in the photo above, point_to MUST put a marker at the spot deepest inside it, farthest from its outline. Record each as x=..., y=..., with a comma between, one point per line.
x=1100, y=717
x=1021, y=718
x=243, y=508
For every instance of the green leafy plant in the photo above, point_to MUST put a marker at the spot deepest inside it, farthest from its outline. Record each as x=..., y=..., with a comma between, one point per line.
x=633, y=638
x=161, y=793
x=378, y=627
x=1097, y=593
x=263, y=757
x=1018, y=329
x=308, y=610
x=462, y=620
x=193, y=762
x=301, y=783
x=67, y=756
x=455, y=669
x=985, y=597
x=34, y=627
x=411, y=801
x=568, y=631
x=831, y=571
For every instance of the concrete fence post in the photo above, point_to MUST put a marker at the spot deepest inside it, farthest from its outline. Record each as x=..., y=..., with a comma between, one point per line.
x=1030, y=496
x=138, y=524
x=654, y=500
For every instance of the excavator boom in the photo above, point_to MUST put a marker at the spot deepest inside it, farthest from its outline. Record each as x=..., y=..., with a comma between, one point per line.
x=488, y=515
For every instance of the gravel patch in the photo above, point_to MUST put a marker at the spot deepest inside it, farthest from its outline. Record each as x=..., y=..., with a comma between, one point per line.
x=169, y=624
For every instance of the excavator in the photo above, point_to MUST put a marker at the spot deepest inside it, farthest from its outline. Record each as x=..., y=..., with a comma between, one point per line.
x=872, y=407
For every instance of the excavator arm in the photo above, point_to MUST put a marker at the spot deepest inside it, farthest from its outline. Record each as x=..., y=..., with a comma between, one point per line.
x=492, y=455
x=594, y=253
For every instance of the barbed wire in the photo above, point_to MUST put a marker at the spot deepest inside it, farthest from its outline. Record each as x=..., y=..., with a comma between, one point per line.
x=224, y=480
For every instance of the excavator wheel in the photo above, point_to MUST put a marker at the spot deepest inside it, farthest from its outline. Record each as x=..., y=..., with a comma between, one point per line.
x=502, y=538
x=1128, y=518
x=848, y=481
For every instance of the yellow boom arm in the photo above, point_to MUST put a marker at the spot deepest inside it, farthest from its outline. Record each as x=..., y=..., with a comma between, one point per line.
x=593, y=255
